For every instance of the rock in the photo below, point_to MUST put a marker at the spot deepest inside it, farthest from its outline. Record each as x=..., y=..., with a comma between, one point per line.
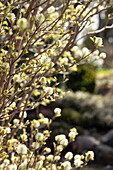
x=108, y=138
x=103, y=154
x=84, y=143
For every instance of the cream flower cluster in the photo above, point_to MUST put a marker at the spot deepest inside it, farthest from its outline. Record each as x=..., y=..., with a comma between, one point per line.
x=24, y=155
x=21, y=149
x=91, y=57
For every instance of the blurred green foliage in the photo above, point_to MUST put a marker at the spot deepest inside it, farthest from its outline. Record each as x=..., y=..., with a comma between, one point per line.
x=84, y=79
x=71, y=115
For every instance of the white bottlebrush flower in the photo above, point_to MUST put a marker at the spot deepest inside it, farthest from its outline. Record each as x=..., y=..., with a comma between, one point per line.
x=24, y=137
x=13, y=142
x=64, y=60
x=11, y=16
x=39, y=137
x=98, y=41
x=45, y=60
x=96, y=52
x=77, y=163
x=59, y=148
x=49, y=90
x=6, y=162
x=16, y=78
x=75, y=49
x=40, y=17
x=59, y=138
x=47, y=150
x=8, y=130
x=21, y=149
x=12, y=167
x=72, y=135
x=66, y=165
x=102, y=55
x=66, y=25
x=16, y=122
x=69, y=155
x=64, y=142
x=85, y=51
x=57, y=111
x=35, y=123
x=35, y=145
x=44, y=121
x=22, y=23
x=50, y=158
x=78, y=53
x=53, y=167
x=39, y=164
x=89, y=155
x=2, y=166
x=51, y=9
x=6, y=65
x=96, y=57
x=57, y=158
x=42, y=157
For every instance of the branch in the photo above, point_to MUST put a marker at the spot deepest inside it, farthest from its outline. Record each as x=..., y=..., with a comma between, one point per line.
x=96, y=32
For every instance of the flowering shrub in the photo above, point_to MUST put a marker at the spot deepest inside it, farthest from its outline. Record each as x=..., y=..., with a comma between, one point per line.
x=29, y=151
x=35, y=39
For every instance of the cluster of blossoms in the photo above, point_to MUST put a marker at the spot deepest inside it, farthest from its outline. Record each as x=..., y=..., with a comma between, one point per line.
x=88, y=54
x=23, y=155
x=37, y=42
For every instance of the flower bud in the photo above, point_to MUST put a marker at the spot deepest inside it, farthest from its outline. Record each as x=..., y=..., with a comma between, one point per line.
x=43, y=80
x=49, y=52
x=59, y=43
x=47, y=150
x=57, y=112
x=98, y=41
